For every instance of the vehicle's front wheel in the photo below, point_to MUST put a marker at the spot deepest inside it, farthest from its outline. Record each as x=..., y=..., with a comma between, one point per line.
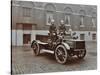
x=36, y=49
x=81, y=54
x=61, y=54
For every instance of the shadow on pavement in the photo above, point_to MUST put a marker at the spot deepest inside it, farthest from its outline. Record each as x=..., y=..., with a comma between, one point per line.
x=51, y=57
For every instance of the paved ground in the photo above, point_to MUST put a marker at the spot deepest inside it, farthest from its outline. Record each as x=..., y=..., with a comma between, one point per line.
x=24, y=61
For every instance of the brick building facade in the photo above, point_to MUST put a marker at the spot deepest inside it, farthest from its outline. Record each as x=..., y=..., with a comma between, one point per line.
x=30, y=19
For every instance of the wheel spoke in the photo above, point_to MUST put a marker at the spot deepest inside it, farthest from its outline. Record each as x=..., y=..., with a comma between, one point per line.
x=64, y=56
x=81, y=54
x=59, y=52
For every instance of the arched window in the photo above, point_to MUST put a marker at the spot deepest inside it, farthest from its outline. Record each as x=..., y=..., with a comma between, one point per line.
x=82, y=15
x=93, y=19
x=49, y=12
x=68, y=11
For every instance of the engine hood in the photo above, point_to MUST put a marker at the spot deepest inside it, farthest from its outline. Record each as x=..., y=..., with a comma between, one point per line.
x=72, y=42
x=69, y=42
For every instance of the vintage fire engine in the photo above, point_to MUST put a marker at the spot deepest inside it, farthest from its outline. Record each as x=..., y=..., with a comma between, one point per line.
x=64, y=47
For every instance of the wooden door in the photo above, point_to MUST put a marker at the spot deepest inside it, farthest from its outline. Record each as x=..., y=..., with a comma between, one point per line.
x=26, y=38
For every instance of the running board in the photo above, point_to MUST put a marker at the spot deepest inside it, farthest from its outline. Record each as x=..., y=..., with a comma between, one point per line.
x=47, y=51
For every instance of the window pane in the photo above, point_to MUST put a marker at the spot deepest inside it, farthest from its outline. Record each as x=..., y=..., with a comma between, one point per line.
x=82, y=36
x=93, y=36
x=26, y=12
x=49, y=17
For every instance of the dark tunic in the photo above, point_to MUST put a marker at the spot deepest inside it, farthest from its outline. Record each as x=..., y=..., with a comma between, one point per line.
x=52, y=28
x=62, y=28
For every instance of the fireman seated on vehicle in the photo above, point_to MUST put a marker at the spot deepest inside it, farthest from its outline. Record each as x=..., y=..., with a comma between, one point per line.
x=53, y=31
x=62, y=28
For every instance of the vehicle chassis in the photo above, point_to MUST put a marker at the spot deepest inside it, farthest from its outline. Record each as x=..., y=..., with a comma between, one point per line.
x=61, y=49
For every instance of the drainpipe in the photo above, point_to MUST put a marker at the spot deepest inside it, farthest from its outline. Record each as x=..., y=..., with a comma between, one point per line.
x=93, y=22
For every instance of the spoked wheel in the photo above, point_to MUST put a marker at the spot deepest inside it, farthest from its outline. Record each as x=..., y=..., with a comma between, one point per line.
x=61, y=54
x=81, y=54
x=36, y=49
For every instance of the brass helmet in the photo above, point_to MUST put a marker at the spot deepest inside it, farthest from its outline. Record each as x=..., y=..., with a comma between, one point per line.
x=62, y=22
x=52, y=21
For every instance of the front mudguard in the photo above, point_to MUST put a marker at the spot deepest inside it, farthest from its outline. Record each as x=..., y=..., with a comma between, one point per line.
x=66, y=46
x=33, y=43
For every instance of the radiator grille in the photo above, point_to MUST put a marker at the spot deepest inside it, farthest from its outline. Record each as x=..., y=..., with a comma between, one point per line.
x=79, y=44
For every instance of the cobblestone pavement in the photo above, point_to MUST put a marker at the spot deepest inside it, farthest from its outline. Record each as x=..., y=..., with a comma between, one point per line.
x=25, y=62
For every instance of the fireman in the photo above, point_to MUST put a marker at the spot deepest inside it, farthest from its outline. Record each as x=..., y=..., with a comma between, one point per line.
x=52, y=27
x=53, y=31
x=62, y=27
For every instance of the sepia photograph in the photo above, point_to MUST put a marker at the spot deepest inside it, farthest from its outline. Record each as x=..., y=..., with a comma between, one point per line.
x=52, y=37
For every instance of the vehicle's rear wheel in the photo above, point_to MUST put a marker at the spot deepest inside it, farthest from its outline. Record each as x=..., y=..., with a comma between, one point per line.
x=61, y=54
x=36, y=49
x=81, y=54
